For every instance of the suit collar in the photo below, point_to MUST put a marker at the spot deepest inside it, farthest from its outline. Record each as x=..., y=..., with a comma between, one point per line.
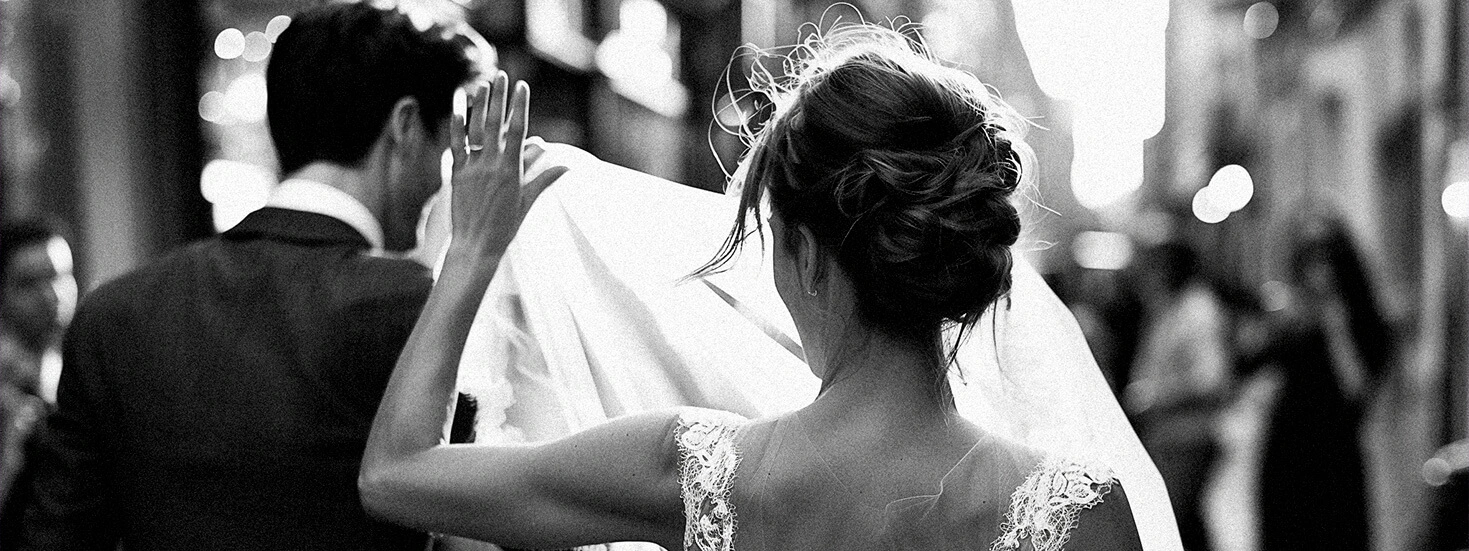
x=312, y=196
x=300, y=226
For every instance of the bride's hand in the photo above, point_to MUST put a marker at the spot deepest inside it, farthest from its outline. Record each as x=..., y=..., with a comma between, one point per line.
x=488, y=200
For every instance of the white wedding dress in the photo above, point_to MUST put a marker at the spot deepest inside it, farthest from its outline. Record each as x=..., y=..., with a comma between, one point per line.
x=590, y=317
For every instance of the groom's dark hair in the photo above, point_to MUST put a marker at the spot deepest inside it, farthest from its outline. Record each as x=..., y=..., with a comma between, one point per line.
x=338, y=69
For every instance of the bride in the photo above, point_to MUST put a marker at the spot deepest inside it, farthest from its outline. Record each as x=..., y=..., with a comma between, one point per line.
x=887, y=178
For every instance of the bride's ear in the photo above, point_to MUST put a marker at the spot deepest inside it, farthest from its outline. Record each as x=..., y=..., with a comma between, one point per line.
x=810, y=265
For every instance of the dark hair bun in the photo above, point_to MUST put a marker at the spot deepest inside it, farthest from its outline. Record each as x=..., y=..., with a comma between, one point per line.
x=935, y=226
x=900, y=166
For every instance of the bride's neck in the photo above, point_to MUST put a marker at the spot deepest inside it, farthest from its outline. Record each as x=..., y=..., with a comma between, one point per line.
x=886, y=379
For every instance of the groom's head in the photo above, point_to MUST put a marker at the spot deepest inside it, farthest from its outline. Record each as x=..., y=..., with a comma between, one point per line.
x=368, y=89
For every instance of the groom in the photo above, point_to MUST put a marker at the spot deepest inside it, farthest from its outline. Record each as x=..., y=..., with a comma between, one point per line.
x=220, y=398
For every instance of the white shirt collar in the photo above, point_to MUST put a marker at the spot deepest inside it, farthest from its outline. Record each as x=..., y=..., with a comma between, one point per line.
x=316, y=197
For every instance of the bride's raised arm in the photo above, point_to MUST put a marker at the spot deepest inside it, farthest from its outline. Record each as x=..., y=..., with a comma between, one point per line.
x=616, y=482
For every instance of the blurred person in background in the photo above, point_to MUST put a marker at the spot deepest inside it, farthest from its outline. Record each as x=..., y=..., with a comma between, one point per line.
x=220, y=397
x=1180, y=380
x=1331, y=345
x=1110, y=313
x=36, y=302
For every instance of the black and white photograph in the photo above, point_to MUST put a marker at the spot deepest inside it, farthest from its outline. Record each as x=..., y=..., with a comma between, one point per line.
x=716, y=275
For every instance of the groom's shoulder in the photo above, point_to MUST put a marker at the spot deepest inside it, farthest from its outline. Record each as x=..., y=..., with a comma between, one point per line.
x=207, y=267
x=384, y=293
x=389, y=272
x=149, y=278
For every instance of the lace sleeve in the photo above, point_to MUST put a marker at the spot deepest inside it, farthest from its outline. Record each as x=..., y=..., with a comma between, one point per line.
x=707, y=463
x=1045, y=508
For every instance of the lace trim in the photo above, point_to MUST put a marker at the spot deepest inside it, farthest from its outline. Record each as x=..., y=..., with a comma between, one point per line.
x=707, y=463
x=1047, y=505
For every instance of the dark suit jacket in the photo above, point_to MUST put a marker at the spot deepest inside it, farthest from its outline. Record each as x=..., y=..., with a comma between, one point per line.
x=221, y=398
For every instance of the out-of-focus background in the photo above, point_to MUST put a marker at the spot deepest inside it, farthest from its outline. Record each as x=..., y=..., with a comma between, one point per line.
x=1259, y=211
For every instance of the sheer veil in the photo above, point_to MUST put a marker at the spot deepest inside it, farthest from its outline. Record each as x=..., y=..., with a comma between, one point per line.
x=590, y=318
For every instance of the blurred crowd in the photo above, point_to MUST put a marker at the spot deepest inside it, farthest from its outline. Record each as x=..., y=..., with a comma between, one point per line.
x=1254, y=397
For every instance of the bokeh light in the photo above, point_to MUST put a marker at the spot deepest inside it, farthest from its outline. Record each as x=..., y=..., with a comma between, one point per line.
x=1229, y=190
x=229, y=44
x=276, y=25
x=1456, y=199
x=65, y=284
x=212, y=107
x=1096, y=250
x=1104, y=170
x=235, y=189
x=245, y=97
x=1455, y=196
x=257, y=47
x=1206, y=206
x=1260, y=20
x=1233, y=187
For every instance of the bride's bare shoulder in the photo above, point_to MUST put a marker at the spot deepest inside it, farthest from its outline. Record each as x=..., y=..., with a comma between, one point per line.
x=1108, y=525
x=1079, y=504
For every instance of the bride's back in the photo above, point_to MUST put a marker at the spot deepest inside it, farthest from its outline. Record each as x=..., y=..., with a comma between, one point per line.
x=796, y=489
x=784, y=483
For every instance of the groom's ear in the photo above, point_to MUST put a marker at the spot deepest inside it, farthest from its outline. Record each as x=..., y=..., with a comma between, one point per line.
x=404, y=123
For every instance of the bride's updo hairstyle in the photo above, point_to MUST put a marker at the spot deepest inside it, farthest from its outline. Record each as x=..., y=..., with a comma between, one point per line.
x=900, y=166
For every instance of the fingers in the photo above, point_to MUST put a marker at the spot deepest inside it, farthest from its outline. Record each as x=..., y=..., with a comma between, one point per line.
x=515, y=126
x=533, y=190
x=494, y=124
x=477, y=116
x=456, y=127
x=531, y=151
